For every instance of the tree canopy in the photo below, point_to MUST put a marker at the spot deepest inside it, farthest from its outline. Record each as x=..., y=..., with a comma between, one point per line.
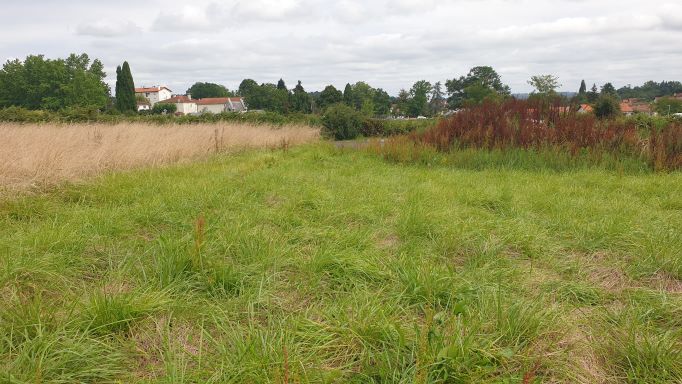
x=481, y=82
x=202, y=90
x=545, y=84
x=40, y=83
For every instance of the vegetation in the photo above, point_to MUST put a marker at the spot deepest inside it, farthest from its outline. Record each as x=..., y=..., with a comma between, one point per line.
x=539, y=125
x=320, y=265
x=650, y=90
x=203, y=90
x=89, y=115
x=480, y=84
x=40, y=83
x=32, y=156
x=546, y=84
x=164, y=108
x=606, y=106
x=126, y=101
x=342, y=122
x=668, y=105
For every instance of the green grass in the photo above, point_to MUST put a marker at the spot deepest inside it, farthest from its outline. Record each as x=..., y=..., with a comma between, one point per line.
x=324, y=266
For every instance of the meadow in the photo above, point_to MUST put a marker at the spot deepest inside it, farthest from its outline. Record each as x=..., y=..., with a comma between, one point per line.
x=36, y=155
x=311, y=264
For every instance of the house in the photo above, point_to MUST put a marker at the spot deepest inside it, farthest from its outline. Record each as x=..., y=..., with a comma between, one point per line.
x=184, y=103
x=630, y=107
x=154, y=94
x=221, y=104
x=585, y=108
x=143, y=104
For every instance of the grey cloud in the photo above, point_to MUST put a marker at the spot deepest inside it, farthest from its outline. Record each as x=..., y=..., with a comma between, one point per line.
x=108, y=28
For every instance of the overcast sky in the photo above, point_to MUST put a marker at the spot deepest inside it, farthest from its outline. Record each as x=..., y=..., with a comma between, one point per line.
x=388, y=43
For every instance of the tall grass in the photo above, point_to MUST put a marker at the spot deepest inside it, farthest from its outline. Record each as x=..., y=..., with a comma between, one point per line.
x=50, y=153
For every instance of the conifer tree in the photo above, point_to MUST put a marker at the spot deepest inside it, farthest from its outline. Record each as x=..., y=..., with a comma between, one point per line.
x=583, y=88
x=125, y=89
x=281, y=85
x=348, y=98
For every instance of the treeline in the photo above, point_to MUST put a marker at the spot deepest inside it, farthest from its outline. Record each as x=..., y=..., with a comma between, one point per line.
x=40, y=83
x=76, y=82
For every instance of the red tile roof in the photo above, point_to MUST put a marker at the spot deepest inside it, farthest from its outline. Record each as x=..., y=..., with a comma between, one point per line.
x=179, y=100
x=218, y=100
x=150, y=89
x=586, y=107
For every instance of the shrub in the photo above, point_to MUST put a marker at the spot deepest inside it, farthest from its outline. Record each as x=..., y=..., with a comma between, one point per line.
x=540, y=126
x=164, y=109
x=606, y=107
x=342, y=122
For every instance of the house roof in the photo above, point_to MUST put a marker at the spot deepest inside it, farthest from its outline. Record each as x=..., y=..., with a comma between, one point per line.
x=218, y=100
x=586, y=108
x=151, y=89
x=626, y=107
x=181, y=99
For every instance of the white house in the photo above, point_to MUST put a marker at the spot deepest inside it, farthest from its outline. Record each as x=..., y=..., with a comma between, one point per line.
x=184, y=104
x=154, y=94
x=221, y=104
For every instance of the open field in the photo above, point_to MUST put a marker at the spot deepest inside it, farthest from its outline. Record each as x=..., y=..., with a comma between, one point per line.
x=51, y=153
x=318, y=265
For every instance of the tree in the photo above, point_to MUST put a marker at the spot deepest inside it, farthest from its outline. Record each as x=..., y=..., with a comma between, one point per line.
x=419, y=103
x=402, y=102
x=281, y=85
x=593, y=95
x=609, y=89
x=607, y=106
x=668, y=105
x=330, y=95
x=300, y=100
x=437, y=99
x=545, y=84
x=125, y=89
x=40, y=83
x=348, y=97
x=203, y=90
x=583, y=88
x=382, y=103
x=650, y=90
x=477, y=79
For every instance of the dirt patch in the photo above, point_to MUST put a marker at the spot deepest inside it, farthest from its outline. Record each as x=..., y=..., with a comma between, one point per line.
x=663, y=281
x=388, y=242
x=152, y=339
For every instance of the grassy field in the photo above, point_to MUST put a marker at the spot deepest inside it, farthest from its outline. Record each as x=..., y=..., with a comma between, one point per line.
x=315, y=265
x=34, y=155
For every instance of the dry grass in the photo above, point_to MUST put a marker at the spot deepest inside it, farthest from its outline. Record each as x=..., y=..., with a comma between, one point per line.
x=46, y=154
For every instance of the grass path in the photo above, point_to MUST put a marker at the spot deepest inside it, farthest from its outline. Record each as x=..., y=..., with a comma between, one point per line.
x=319, y=265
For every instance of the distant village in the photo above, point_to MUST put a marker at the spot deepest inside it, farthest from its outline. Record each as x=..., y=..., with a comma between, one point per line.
x=185, y=105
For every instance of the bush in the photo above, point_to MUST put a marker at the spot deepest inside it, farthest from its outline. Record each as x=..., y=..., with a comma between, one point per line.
x=342, y=122
x=386, y=128
x=606, y=107
x=164, y=109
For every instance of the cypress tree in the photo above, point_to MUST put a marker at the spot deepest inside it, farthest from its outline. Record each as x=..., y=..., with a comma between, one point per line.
x=125, y=89
x=348, y=96
x=583, y=88
x=117, y=92
x=281, y=85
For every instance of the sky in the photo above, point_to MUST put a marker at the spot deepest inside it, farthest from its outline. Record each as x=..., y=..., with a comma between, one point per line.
x=388, y=43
